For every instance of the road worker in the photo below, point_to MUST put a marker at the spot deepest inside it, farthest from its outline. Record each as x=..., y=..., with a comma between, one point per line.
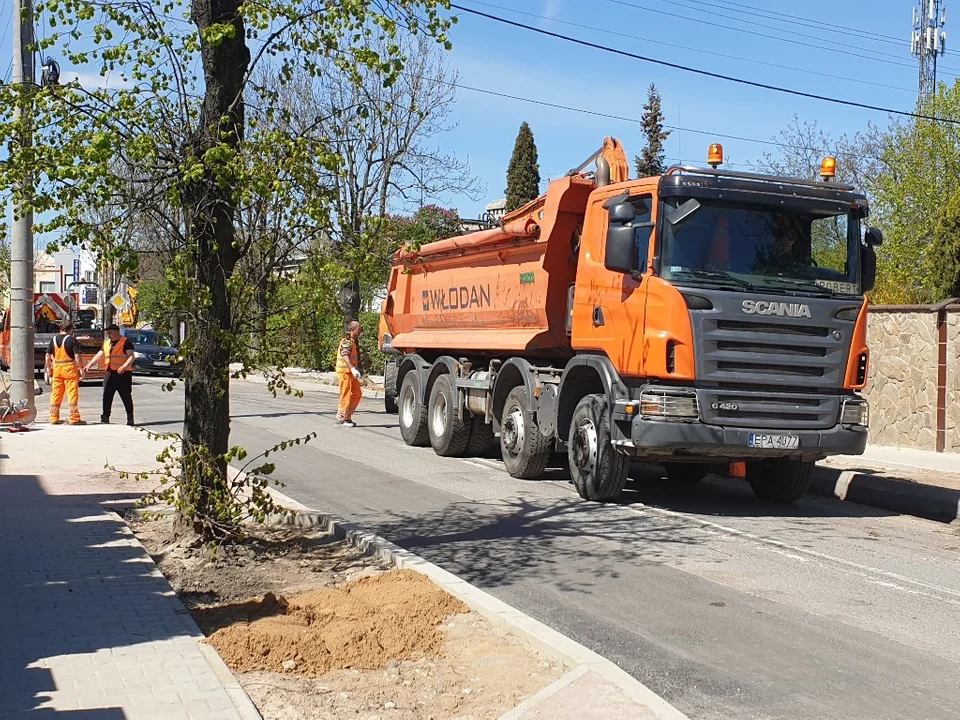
x=118, y=355
x=348, y=374
x=64, y=369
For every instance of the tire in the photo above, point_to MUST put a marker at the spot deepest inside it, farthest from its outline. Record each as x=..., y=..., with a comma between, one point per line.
x=413, y=416
x=525, y=449
x=390, y=388
x=686, y=472
x=482, y=440
x=448, y=433
x=781, y=480
x=598, y=471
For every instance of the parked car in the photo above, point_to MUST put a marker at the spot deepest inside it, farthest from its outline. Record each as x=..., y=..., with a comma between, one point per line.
x=154, y=353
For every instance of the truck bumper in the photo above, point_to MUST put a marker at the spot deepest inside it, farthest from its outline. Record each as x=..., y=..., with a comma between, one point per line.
x=664, y=439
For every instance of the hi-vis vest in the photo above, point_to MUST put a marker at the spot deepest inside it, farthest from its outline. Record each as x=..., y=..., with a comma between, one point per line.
x=348, y=348
x=63, y=365
x=114, y=355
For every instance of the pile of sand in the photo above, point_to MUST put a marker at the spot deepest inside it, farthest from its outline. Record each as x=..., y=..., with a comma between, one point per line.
x=361, y=624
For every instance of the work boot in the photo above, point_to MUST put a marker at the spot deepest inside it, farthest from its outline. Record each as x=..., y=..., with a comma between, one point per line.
x=130, y=421
x=77, y=422
x=105, y=419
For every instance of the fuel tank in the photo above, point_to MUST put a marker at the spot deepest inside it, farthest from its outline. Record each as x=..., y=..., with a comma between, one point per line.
x=493, y=292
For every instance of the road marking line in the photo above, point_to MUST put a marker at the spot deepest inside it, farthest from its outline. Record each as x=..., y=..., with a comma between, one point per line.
x=862, y=570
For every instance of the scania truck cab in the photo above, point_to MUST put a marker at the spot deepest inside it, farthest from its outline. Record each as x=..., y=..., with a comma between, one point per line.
x=698, y=317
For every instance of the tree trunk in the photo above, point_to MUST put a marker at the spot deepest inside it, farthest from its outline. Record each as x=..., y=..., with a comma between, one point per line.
x=211, y=206
x=350, y=301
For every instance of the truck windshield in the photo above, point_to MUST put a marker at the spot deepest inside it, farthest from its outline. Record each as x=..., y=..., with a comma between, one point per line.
x=768, y=248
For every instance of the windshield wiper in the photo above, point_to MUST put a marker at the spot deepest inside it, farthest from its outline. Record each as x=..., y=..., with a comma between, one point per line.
x=800, y=282
x=721, y=275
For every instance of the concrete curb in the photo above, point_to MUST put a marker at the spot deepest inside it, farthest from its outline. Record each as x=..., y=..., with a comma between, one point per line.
x=312, y=385
x=238, y=696
x=895, y=494
x=541, y=637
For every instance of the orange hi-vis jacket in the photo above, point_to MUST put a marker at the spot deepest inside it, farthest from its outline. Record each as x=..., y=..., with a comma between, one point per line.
x=114, y=355
x=348, y=349
x=64, y=366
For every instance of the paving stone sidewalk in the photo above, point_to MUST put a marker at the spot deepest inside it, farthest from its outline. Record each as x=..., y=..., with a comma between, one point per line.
x=89, y=628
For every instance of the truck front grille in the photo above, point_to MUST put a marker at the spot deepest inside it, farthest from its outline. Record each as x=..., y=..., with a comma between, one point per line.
x=770, y=372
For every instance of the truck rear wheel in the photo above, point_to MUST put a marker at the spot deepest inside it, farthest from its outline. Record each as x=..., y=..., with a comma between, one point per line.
x=448, y=432
x=390, y=387
x=782, y=480
x=525, y=449
x=413, y=417
x=482, y=440
x=686, y=472
x=598, y=471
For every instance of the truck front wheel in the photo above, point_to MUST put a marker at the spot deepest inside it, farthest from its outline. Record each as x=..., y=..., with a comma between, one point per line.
x=413, y=418
x=598, y=471
x=525, y=449
x=781, y=480
x=448, y=432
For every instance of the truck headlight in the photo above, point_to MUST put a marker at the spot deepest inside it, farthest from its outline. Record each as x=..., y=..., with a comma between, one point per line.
x=669, y=404
x=855, y=412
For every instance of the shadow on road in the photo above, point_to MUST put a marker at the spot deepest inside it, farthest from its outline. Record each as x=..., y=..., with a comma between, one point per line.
x=726, y=497
x=496, y=543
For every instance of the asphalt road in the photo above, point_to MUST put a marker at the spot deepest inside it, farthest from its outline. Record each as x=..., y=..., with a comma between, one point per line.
x=726, y=606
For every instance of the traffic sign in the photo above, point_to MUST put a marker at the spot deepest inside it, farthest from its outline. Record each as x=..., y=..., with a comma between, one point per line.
x=118, y=301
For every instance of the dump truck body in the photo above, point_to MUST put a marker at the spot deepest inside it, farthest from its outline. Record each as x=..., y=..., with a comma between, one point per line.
x=691, y=318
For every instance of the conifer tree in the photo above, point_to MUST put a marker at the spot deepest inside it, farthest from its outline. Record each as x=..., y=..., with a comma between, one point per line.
x=523, y=174
x=651, y=160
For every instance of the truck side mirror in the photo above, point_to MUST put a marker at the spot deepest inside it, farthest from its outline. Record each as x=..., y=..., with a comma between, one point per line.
x=873, y=237
x=868, y=268
x=620, y=254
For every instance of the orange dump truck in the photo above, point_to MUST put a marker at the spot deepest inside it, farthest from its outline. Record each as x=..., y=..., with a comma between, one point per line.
x=693, y=318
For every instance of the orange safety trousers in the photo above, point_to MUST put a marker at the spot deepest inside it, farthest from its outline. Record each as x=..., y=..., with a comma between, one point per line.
x=66, y=378
x=350, y=395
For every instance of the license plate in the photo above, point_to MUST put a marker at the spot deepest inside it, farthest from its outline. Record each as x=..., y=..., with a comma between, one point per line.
x=773, y=442
x=162, y=363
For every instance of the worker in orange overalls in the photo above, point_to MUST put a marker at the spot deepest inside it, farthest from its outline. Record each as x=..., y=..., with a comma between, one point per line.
x=348, y=374
x=65, y=371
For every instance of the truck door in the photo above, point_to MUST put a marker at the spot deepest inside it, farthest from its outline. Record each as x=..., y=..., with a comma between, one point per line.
x=609, y=305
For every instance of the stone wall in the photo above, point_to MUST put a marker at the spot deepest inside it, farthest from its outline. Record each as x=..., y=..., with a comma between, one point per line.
x=902, y=388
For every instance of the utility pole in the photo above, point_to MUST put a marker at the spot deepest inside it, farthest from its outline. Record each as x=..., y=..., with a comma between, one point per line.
x=928, y=41
x=21, y=239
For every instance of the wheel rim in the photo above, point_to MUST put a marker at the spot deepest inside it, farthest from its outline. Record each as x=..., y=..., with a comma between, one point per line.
x=513, y=431
x=439, y=415
x=584, y=446
x=407, y=407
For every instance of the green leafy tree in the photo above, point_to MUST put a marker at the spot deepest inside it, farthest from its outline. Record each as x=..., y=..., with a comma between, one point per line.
x=918, y=179
x=167, y=129
x=651, y=161
x=944, y=256
x=523, y=174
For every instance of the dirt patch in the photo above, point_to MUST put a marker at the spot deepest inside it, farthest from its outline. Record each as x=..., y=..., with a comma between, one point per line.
x=364, y=623
x=317, y=630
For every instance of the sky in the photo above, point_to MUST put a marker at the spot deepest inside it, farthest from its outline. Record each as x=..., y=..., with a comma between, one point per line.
x=856, y=50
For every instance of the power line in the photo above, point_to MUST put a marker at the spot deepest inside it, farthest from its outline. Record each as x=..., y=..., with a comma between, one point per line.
x=766, y=15
x=691, y=49
x=705, y=73
x=636, y=121
x=886, y=58
x=797, y=18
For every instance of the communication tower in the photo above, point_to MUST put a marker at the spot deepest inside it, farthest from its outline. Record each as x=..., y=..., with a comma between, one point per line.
x=928, y=41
